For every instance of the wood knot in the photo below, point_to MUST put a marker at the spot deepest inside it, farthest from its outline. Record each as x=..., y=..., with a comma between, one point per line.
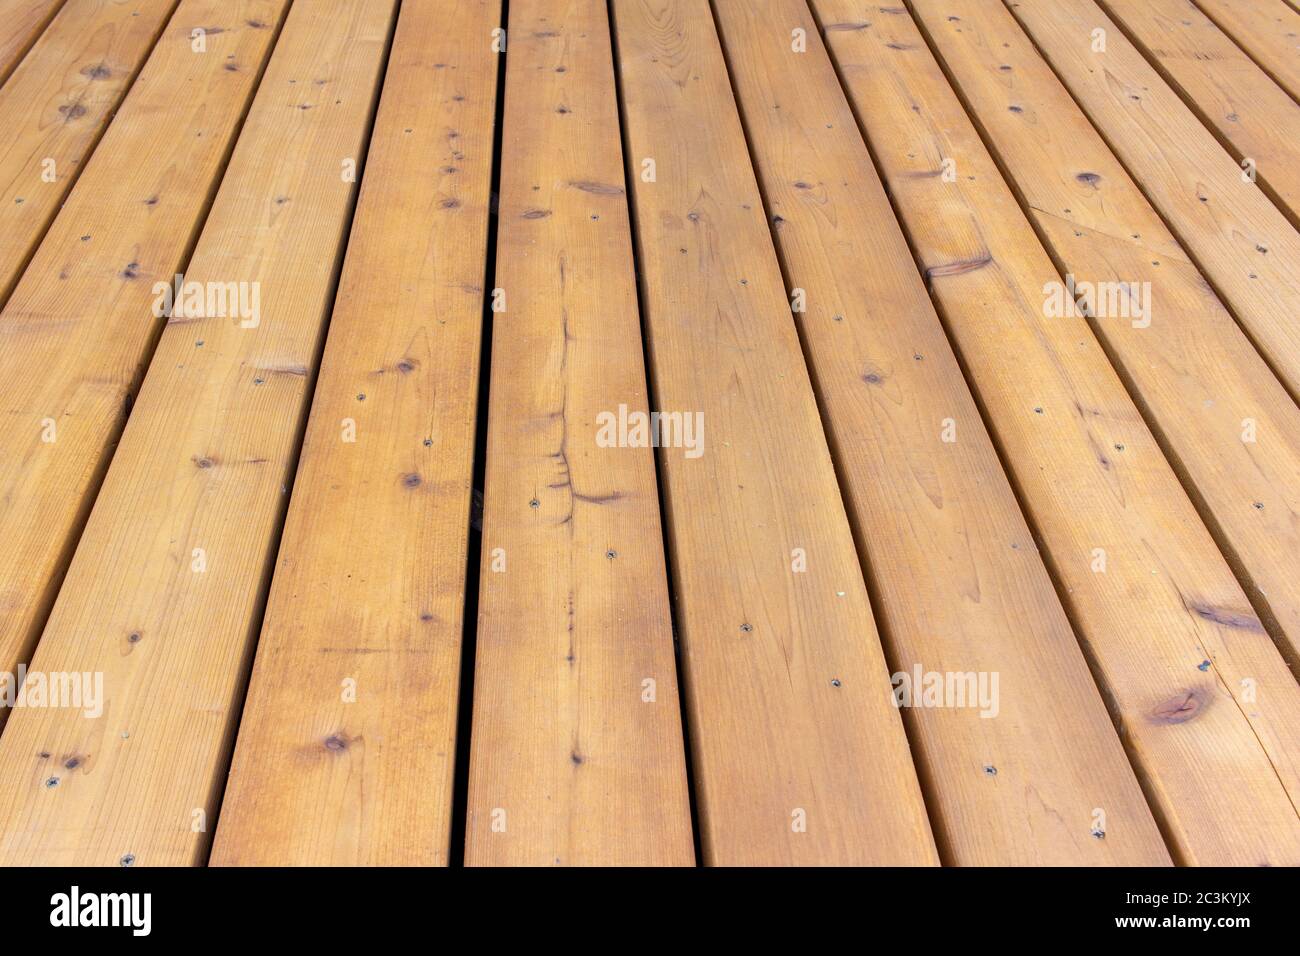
x=1178, y=709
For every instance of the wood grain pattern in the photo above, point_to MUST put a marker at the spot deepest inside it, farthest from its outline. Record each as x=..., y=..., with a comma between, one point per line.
x=887, y=445
x=799, y=753
x=21, y=24
x=1166, y=627
x=575, y=759
x=1269, y=30
x=166, y=588
x=961, y=587
x=77, y=332
x=56, y=105
x=347, y=741
x=1231, y=429
x=1243, y=245
x=1252, y=116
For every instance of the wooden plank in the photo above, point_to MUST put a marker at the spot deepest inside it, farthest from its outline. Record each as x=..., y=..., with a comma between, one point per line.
x=575, y=758
x=21, y=24
x=167, y=584
x=935, y=518
x=75, y=335
x=56, y=105
x=798, y=753
x=1240, y=241
x=1232, y=431
x=347, y=741
x=1253, y=117
x=1166, y=627
x=1269, y=30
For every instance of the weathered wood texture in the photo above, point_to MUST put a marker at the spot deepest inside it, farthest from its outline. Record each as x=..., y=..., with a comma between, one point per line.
x=347, y=742
x=55, y=107
x=1253, y=117
x=1131, y=558
x=576, y=759
x=1243, y=245
x=78, y=330
x=799, y=754
x=21, y=24
x=165, y=591
x=961, y=587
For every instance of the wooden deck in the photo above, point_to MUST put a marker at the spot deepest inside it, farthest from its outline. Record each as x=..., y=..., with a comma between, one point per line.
x=336, y=529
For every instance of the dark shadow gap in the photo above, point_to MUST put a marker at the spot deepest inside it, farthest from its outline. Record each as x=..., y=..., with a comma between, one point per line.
x=474, y=549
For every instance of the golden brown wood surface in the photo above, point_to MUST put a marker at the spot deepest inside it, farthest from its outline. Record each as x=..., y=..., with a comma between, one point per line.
x=1268, y=30
x=1162, y=619
x=1228, y=426
x=889, y=451
x=21, y=23
x=347, y=741
x=1252, y=116
x=55, y=107
x=961, y=587
x=166, y=587
x=799, y=754
x=1245, y=247
x=577, y=744
x=77, y=332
